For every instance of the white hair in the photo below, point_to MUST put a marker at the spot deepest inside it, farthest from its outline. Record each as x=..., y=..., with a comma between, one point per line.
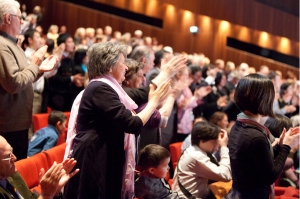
x=8, y=7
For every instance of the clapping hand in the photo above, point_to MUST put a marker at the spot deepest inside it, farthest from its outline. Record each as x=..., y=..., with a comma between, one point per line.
x=38, y=56
x=49, y=64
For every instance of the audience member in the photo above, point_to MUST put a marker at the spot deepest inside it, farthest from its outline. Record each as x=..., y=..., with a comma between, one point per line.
x=276, y=126
x=153, y=167
x=103, y=117
x=187, y=141
x=243, y=69
x=195, y=168
x=12, y=185
x=229, y=67
x=250, y=150
x=17, y=76
x=264, y=70
x=220, y=64
x=285, y=98
x=66, y=83
x=53, y=33
x=108, y=32
x=145, y=55
x=47, y=137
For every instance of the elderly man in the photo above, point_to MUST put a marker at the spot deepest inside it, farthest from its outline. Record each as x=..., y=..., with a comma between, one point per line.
x=16, y=78
x=145, y=55
x=12, y=184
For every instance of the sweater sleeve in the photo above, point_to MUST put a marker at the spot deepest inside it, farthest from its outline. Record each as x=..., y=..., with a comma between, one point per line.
x=107, y=101
x=268, y=168
x=13, y=77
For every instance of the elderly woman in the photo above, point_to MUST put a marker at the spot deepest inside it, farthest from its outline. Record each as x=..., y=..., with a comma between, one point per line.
x=134, y=76
x=255, y=164
x=103, y=118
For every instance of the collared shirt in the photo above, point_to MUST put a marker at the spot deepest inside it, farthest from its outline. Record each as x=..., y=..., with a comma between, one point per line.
x=13, y=39
x=38, y=86
x=195, y=168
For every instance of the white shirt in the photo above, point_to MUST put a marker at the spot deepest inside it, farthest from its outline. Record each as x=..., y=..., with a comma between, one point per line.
x=196, y=168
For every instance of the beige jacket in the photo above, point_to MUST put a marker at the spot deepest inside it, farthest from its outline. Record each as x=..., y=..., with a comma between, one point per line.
x=16, y=92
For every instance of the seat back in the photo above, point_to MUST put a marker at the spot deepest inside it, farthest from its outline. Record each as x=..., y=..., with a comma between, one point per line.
x=29, y=168
x=40, y=121
x=55, y=154
x=175, y=150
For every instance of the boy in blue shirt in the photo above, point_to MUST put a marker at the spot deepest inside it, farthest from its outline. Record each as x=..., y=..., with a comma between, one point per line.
x=47, y=137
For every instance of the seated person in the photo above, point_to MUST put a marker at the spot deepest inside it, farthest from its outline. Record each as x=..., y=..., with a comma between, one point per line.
x=12, y=184
x=47, y=137
x=153, y=166
x=195, y=168
x=187, y=141
x=276, y=126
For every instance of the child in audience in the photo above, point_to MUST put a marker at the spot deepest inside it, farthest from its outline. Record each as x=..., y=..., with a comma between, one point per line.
x=47, y=137
x=195, y=168
x=153, y=166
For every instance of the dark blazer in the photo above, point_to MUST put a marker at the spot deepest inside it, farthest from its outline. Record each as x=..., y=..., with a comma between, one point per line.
x=18, y=182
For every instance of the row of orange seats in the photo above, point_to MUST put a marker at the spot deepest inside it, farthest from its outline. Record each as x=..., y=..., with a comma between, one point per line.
x=29, y=168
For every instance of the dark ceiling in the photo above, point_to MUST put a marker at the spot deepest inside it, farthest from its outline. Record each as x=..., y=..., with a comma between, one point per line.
x=289, y=6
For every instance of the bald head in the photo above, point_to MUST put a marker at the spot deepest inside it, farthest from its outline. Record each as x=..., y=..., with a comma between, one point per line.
x=7, y=159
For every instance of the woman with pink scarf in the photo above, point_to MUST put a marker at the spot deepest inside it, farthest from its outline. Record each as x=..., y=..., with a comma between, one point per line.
x=105, y=119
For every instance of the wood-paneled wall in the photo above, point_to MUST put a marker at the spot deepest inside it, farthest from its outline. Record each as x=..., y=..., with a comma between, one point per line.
x=241, y=20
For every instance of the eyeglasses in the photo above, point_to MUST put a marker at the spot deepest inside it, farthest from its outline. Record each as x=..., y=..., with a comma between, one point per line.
x=11, y=155
x=20, y=17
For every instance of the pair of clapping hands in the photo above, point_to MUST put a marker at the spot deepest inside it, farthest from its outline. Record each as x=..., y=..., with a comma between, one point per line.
x=290, y=137
x=161, y=85
x=56, y=177
x=51, y=62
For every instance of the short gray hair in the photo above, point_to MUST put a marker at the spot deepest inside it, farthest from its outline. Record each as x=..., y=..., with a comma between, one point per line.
x=139, y=52
x=8, y=7
x=103, y=56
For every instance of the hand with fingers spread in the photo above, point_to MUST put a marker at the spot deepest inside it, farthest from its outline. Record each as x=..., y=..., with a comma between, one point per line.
x=68, y=166
x=290, y=137
x=49, y=64
x=49, y=180
x=56, y=177
x=58, y=51
x=202, y=92
x=180, y=85
x=222, y=101
x=169, y=69
x=159, y=94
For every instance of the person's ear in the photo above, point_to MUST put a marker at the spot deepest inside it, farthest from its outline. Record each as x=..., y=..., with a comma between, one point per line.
x=151, y=170
x=30, y=40
x=58, y=123
x=7, y=18
x=143, y=60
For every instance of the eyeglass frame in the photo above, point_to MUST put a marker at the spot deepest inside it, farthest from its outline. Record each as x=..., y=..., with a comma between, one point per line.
x=11, y=155
x=20, y=17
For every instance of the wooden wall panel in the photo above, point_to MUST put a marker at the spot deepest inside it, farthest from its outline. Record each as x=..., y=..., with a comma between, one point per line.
x=211, y=38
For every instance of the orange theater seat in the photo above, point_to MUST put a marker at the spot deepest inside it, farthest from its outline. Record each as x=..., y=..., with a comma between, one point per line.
x=30, y=168
x=175, y=150
x=40, y=121
x=55, y=154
